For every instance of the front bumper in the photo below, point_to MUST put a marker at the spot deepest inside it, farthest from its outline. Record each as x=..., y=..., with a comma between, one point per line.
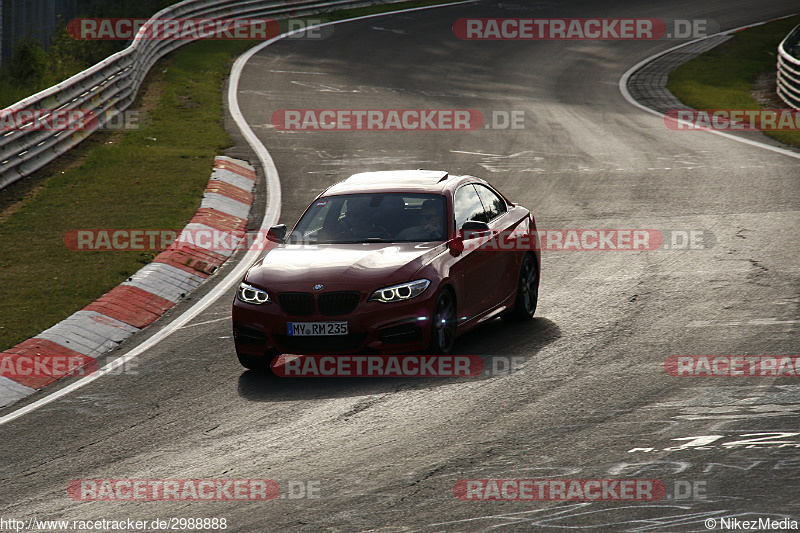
x=374, y=327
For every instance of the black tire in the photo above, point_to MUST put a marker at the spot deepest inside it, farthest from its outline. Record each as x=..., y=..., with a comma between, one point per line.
x=527, y=291
x=443, y=323
x=254, y=362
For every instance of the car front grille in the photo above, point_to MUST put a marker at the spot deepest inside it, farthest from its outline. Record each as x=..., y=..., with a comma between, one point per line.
x=329, y=303
x=338, y=303
x=296, y=303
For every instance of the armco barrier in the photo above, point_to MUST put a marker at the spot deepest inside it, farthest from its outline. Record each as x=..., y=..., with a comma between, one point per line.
x=789, y=69
x=109, y=87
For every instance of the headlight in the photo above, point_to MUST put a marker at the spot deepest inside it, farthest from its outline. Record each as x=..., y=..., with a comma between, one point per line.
x=400, y=293
x=250, y=295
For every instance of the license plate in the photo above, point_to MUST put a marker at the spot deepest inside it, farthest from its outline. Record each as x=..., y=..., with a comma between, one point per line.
x=313, y=329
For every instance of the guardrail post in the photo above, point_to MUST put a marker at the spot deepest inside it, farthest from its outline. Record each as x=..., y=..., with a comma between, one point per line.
x=788, y=82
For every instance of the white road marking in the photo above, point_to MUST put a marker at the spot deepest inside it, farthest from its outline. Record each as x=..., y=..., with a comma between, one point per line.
x=206, y=322
x=751, y=322
x=475, y=153
x=298, y=72
x=399, y=32
x=270, y=218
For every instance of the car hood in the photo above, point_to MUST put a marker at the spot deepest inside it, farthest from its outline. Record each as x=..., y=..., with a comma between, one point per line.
x=299, y=267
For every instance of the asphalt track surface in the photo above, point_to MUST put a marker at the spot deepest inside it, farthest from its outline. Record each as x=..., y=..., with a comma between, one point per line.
x=386, y=453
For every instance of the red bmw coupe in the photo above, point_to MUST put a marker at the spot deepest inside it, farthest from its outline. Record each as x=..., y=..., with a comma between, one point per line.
x=387, y=262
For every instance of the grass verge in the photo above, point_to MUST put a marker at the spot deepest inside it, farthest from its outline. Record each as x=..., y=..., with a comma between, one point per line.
x=150, y=177
x=724, y=77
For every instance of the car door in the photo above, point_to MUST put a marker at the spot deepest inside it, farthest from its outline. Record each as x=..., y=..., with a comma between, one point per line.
x=504, y=271
x=473, y=267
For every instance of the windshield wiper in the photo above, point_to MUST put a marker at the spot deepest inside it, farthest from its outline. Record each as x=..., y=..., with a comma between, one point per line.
x=361, y=241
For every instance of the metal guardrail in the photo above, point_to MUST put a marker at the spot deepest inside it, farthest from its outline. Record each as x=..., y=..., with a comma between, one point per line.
x=789, y=69
x=109, y=87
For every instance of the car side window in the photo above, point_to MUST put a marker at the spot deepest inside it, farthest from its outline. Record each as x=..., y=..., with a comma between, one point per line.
x=492, y=202
x=468, y=206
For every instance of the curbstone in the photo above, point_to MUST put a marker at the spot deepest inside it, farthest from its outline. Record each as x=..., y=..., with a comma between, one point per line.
x=138, y=302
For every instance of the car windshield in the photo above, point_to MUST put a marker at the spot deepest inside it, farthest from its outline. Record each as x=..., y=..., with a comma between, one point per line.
x=375, y=217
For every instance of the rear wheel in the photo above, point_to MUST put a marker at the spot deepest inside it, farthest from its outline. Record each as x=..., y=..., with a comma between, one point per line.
x=527, y=291
x=443, y=324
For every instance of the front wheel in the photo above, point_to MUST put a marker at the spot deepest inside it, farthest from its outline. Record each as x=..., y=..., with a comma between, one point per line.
x=254, y=362
x=443, y=325
x=527, y=291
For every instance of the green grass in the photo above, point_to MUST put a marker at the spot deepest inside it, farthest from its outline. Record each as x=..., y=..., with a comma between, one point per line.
x=11, y=92
x=151, y=177
x=722, y=78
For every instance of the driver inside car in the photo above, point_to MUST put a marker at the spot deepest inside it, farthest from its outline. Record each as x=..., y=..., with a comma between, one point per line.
x=430, y=227
x=358, y=223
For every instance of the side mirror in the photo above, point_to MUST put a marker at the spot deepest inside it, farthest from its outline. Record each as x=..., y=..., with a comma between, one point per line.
x=277, y=233
x=472, y=229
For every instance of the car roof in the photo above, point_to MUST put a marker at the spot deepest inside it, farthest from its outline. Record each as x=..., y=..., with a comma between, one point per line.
x=427, y=181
